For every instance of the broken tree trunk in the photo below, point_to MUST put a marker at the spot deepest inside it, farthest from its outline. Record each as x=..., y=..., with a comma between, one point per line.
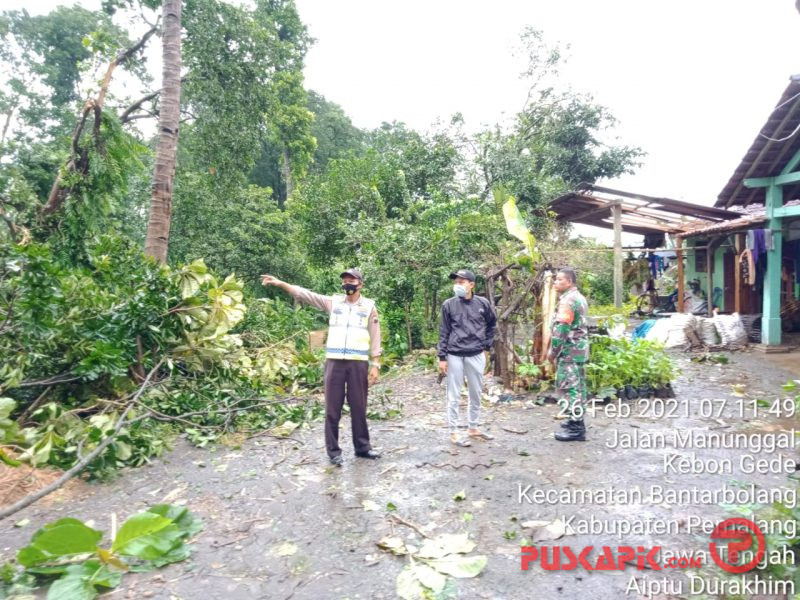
x=78, y=159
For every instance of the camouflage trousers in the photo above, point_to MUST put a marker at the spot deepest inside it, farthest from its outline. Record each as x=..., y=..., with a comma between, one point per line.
x=571, y=388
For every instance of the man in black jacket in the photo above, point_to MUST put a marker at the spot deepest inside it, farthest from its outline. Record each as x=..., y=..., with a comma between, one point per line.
x=466, y=334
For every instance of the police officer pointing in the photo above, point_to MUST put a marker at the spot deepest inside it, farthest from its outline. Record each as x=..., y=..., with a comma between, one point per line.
x=352, y=357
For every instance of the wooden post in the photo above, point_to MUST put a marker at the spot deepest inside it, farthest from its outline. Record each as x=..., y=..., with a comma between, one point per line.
x=737, y=278
x=679, y=254
x=709, y=282
x=711, y=248
x=616, y=211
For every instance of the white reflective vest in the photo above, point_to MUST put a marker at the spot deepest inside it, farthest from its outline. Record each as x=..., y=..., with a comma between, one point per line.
x=348, y=336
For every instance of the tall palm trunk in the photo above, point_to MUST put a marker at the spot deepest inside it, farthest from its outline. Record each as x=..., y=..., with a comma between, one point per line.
x=157, y=241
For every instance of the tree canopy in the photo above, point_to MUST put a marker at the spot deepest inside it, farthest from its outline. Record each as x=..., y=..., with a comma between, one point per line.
x=247, y=172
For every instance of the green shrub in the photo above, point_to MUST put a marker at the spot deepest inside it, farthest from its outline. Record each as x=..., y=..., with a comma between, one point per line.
x=79, y=340
x=615, y=363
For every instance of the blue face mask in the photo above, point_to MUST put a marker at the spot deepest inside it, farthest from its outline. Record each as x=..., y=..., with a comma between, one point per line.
x=460, y=290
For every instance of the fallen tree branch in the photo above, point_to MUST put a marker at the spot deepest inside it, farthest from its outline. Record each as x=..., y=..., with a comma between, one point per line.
x=517, y=431
x=50, y=381
x=84, y=462
x=413, y=526
x=33, y=406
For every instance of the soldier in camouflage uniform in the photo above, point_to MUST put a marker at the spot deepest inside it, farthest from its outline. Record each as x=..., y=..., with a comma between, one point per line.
x=569, y=348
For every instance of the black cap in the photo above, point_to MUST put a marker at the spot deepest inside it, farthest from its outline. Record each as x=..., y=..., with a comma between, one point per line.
x=353, y=272
x=463, y=273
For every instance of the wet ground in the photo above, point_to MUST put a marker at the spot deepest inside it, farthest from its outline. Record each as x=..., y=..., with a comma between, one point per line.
x=281, y=523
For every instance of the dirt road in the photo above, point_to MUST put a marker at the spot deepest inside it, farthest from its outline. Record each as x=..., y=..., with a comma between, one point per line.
x=281, y=523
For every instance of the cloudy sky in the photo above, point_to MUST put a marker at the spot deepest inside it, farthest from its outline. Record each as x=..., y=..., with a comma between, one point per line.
x=690, y=81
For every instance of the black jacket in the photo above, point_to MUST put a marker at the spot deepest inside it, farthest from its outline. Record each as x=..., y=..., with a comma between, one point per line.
x=467, y=327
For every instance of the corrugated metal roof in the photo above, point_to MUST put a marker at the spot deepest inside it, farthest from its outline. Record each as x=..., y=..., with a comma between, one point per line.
x=755, y=215
x=591, y=205
x=767, y=156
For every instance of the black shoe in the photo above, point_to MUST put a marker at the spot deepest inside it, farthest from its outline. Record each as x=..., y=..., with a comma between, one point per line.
x=337, y=461
x=575, y=431
x=370, y=454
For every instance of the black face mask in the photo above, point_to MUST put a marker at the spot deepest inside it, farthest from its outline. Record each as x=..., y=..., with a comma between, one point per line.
x=350, y=288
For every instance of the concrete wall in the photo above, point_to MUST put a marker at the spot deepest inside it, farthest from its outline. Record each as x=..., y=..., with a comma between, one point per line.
x=717, y=276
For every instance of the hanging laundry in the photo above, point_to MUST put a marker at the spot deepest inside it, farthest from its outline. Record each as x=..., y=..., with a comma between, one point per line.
x=769, y=244
x=755, y=242
x=652, y=260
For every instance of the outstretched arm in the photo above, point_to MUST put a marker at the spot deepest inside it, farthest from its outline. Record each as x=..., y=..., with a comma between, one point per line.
x=300, y=294
x=272, y=280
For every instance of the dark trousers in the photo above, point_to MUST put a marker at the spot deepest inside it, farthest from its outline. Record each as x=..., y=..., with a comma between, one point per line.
x=346, y=379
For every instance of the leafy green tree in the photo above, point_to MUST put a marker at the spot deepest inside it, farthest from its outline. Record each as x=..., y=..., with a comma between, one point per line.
x=410, y=260
x=46, y=58
x=248, y=234
x=554, y=143
x=335, y=133
x=428, y=162
x=290, y=130
x=335, y=209
x=334, y=136
x=232, y=91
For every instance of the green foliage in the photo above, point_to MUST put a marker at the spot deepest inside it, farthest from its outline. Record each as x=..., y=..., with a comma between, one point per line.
x=528, y=370
x=90, y=332
x=97, y=197
x=554, y=143
x=66, y=554
x=50, y=56
x=245, y=233
x=8, y=428
x=598, y=288
x=82, y=322
x=608, y=310
x=334, y=210
x=428, y=162
x=269, y=321
x=616, y=363
x=609, y=323
x=237, y=101
x=335, y=133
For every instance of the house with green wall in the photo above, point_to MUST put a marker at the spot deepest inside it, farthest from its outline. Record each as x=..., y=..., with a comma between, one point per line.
x=751, y=264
